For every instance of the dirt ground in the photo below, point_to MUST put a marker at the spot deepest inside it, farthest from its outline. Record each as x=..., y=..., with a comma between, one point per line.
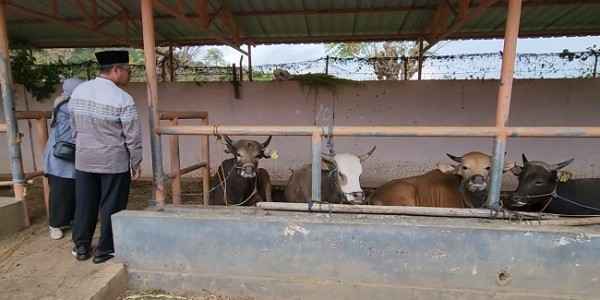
x=33, y=266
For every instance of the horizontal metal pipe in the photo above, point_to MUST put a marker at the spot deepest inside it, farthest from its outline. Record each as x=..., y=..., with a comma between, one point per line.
x=407, y=131
x=167, y=115
x=188, y=169
x=34, y=174
x=3, y=128
x=32, y=115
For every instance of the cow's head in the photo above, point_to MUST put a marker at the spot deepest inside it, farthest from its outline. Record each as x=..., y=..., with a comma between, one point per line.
x=537, y=180
x=474, y=169
x=247, y=153
x=344, y=174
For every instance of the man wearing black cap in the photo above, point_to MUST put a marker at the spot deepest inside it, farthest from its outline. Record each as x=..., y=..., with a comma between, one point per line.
x=108, y=140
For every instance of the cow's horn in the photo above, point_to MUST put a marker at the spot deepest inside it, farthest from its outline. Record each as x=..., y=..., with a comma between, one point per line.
x=524, y=158
x=561, y=165
x=366, y=155
x=228, y=140
x=266, y=143
x=454, y=158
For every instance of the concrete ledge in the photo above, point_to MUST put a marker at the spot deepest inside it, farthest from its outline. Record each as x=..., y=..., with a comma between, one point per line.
x=12, y=216
x=281, y=255
x=112, y=283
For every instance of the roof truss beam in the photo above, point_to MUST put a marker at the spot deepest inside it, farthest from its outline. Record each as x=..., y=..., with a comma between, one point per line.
x=67, y=24
x=196, y=24
x=439, y=29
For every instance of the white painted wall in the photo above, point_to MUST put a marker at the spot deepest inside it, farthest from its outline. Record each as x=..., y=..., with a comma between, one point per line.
x=402, y=103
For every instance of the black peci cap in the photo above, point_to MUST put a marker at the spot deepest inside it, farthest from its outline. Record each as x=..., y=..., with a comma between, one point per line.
x=112, y=57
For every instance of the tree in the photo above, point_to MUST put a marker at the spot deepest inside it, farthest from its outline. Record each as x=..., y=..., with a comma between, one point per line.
x=390, y=60
x=213, y=57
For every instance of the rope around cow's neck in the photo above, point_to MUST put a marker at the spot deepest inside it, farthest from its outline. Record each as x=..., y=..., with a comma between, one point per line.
x=223, y=185
x=553, y=195
x=464, y=197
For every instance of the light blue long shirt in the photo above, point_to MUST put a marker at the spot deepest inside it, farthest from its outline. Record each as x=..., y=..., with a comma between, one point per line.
x=52, y=165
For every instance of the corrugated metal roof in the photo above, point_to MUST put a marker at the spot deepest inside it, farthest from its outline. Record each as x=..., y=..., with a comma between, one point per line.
x=76, y=23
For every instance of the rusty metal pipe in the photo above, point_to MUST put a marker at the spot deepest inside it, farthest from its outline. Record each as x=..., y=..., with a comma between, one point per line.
x=206, y=161
x=33, y=115
x=181, y=115
x=188, y=169
x=382, y=131
x=175, y=165
x=42, y=131
x=503, y=105
x=316, y=166
x=153, y=108
x=12, y=129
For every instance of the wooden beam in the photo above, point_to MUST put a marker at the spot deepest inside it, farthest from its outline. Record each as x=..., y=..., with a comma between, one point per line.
x=202, y=9
x=85, y=14
x=451, y=7
x=69, y=25
x=458, y=23
x=53, y=8
x=463, y=7
x=122, y=15
x=160, y=5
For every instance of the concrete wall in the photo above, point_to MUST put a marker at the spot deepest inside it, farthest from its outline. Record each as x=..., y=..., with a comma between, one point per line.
x=266, y=255
x=420, y=103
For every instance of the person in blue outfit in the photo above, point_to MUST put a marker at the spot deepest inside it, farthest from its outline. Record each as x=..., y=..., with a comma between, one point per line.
x=60, y=172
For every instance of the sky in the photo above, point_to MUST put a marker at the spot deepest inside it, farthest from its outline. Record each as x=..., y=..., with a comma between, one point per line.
x=275, y=54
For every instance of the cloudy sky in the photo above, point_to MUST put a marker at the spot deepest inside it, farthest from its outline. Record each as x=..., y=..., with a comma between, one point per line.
x=274, y=54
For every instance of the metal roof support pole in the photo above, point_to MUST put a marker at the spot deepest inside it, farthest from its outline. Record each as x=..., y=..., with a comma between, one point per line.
x=504, y=94
x=249, y=62
x=420, y=74
x=12, y=128
x=152, y=88
x=316, y=166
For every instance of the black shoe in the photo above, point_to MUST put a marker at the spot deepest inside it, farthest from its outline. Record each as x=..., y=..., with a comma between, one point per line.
x=81, y=253
x=101, y=256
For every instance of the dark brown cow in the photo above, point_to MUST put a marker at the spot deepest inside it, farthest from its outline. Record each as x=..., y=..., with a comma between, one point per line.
x=340, y=180
x=542, y=188
x=463, y=185
x=244, y=183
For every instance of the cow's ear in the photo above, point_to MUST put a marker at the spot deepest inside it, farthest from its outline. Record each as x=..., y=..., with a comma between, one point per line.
x=447, y=168
x=516, y=170
x=509, y=165
x=325, y=165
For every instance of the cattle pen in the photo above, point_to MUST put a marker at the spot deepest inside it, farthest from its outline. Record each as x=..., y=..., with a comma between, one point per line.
x=322, y=251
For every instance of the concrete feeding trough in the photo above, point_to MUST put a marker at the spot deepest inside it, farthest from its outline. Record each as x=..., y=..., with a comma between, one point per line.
x=12, y=216
x=263, y=254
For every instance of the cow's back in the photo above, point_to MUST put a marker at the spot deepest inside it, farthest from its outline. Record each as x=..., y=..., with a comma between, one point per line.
x=299, y=186
x=584, y=192
x=432, y=189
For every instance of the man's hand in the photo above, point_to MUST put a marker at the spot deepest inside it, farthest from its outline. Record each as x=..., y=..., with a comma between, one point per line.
x=135, y=174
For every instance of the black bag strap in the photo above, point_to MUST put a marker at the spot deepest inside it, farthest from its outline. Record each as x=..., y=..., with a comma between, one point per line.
x=56, y=109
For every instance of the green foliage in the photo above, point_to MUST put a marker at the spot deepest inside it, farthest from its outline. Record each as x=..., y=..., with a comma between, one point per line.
x=39, y=80
x=591, y=52
x=213, y=57
x=314, y=82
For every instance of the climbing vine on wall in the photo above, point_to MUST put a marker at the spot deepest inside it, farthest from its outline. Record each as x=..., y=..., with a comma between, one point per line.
x=38, y=80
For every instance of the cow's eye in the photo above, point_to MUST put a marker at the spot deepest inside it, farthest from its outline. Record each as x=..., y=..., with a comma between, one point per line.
x=539, y=182
x=487, y=168
x=465, y=168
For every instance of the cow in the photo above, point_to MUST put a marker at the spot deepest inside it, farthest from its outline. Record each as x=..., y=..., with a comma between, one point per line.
x=241, y=179
x=460, y=186
x=541, y=189
x=340, y=180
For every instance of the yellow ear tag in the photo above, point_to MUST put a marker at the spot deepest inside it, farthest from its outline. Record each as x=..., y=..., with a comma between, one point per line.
x=274, y=154
x=564, y=176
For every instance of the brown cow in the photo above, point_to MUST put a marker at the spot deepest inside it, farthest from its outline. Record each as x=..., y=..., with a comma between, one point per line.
x=463, y=185
x=340, y=180
x=244, y=183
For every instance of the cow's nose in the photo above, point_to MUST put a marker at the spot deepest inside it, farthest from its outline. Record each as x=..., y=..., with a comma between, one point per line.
x=249, y=169
x=359, y=196
x=477, y=179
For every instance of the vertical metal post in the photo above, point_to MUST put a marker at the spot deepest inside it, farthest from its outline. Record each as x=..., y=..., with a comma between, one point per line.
x=504, y=94
x=152, y=88
x=175, y=164
x=316, y=166
x=420, y=58
x=327, y=64
x=171, y=65
x=206, y=159
x=12, y=128
x=42, y=131
x=249, y=62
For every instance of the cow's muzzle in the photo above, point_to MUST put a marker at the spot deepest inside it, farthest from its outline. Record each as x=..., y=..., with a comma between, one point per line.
x=248, y=171
x=355, y=198
x=518, y=200
x=477, y=183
